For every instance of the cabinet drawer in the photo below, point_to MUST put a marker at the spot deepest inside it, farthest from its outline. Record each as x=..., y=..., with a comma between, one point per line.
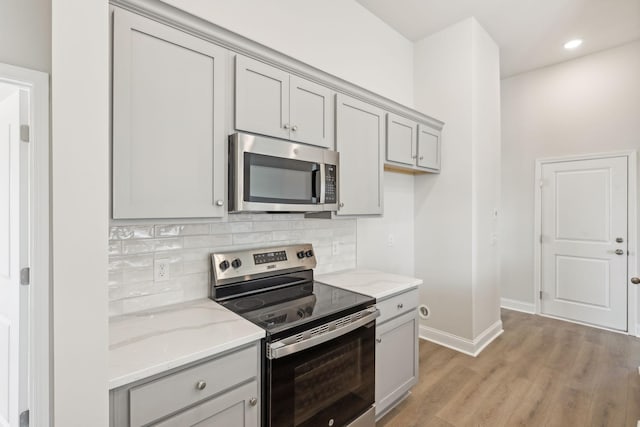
x=148, y=402
x=397, y=304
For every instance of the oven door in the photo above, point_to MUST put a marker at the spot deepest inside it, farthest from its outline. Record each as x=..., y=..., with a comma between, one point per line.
x=329, y=384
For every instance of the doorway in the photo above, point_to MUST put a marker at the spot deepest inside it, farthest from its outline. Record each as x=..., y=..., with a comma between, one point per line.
x=585, y=240
x=24, y=247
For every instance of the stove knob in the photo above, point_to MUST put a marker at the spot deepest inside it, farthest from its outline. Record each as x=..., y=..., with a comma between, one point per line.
x=236, y=263
x=301, y=313
x=300, y=254
x=224, y=265
x=309, y=253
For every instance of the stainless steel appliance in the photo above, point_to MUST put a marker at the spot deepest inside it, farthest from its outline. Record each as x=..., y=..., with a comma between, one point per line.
x=319, y=350
x=267, y=174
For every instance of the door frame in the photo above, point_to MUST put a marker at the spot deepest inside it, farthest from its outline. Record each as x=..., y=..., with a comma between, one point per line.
x=632, y=232
x=39, y=238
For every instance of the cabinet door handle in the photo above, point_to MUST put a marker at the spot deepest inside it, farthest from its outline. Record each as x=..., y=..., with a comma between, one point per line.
x=400, y=306
x=200, y=385
x=341, y=205
x=378, y=340
x=219, y=203
x=421, y=157
x=413, y=157
x=294, y=128
x=253, y=401
x=286, y=126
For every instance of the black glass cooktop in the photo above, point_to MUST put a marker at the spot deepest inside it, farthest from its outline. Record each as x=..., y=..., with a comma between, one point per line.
x=288, y=307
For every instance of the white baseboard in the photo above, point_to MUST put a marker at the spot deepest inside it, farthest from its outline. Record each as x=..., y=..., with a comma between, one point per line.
x=512, y=304
x=463, y=345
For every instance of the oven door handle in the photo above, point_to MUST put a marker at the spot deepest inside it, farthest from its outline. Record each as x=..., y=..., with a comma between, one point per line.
x=280, y=349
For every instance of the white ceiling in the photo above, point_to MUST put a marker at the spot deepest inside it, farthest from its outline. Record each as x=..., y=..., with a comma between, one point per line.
x=530, y=33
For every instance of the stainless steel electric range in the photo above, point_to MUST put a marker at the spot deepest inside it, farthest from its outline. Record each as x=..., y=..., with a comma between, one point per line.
x=318, y=354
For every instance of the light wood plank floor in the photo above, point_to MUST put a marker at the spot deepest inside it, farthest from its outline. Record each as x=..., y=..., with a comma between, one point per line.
x=539, y=372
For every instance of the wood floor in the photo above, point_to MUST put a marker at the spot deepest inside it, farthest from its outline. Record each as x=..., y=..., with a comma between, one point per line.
x=539, y=372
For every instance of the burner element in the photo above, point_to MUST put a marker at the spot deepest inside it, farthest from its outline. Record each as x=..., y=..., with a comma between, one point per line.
x=248, y=303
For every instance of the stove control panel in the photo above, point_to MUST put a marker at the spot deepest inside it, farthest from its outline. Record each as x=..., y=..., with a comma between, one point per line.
x=237, y=266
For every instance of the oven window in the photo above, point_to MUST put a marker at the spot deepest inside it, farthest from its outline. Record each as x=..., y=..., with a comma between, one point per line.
x=269, y=179
x=330, y=384
x=326, y=380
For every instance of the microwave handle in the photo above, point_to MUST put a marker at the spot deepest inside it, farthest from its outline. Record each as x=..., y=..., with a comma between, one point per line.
x=323, y=179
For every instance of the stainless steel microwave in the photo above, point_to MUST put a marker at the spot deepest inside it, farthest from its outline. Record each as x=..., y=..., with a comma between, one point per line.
x=272, y=175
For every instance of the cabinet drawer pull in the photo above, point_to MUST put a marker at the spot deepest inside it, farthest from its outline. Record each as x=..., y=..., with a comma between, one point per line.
x=400, y=306
x=200, y=385
x=253, y=401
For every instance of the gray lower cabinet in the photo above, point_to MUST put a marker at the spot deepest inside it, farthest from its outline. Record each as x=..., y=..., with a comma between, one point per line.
x=396, y=350
x=412, y=146
x=169, y=136
x=223, y=391
x=272, y=102
x=359, y=140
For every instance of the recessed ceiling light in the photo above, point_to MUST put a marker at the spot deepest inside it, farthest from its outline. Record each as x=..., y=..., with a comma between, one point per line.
x=572, y=44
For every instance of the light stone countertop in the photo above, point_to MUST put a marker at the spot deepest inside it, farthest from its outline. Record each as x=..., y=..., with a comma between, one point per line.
x=150, y=342
x=374, y=283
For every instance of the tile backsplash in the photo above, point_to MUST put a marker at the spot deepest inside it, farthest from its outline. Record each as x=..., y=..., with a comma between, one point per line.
x=135, y=247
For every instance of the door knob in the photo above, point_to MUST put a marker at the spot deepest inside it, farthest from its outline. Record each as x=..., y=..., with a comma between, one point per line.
x=635, y=280
x=619, y=252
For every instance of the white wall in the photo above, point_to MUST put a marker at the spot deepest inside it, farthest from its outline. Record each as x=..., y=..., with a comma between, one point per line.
x=587, y=105
x=339, y=37
x=375, y=250
x=457, y=80
x=443, y=227
x=25, y=34
x=486, y=181
x=80, y=162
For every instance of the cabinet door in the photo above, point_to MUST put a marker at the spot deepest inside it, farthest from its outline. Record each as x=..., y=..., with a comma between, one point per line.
x=168, y=121
x=401, y=140
x=428, y=148
x=396, y=360
x=233, y=408
x=262, y=98
x=359, y=133
x=311, y=113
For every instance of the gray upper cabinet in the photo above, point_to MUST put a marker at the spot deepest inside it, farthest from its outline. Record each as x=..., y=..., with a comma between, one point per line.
x=428, y=148
x=412, y=146
x=168, y=121
x=401, y=140
x=359, y=139
x=262, y=98
x=272, y=102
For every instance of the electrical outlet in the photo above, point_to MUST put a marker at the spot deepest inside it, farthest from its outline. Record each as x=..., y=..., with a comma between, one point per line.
x=335, y=247
x=161, y=270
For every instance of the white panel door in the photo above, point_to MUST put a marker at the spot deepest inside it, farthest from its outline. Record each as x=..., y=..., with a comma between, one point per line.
x=584, y=241
x=359, y=133
x=169, y=137
x=262, y=98
x=13, y=257
x=311, y=112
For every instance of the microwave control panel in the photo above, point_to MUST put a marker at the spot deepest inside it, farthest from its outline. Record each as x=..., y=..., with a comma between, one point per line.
x=330, y=195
